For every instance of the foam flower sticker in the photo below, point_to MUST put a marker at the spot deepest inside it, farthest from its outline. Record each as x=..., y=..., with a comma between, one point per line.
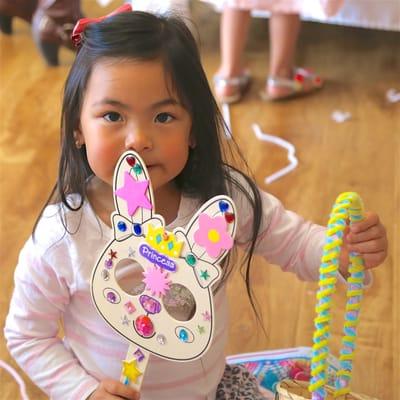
x=212, y=235
x=156, y=281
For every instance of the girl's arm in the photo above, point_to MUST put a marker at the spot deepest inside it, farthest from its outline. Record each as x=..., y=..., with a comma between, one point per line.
x=285, y=238
x=40, y=297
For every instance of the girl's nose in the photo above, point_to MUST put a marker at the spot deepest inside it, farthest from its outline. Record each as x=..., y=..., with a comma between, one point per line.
x=138, y=140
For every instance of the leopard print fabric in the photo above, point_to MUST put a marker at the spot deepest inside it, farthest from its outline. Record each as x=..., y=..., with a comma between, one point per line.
x=238, y=383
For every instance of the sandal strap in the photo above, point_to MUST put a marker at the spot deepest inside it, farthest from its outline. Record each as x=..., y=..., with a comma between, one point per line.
x=235, y=81
x=307, y=73
x=276, y=81
x=293, y=83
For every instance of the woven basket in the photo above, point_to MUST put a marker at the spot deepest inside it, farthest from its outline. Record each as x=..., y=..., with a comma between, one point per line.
x=298, y=390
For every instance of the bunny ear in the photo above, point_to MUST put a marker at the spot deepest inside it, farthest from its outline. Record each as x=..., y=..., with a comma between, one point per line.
x=133, y=194
x=211, y=231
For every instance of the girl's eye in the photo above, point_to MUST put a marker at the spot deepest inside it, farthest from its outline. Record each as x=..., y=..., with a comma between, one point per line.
x=112, y=116
x=163, y=118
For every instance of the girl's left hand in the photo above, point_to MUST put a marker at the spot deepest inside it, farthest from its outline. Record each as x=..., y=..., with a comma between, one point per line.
x=368, y=239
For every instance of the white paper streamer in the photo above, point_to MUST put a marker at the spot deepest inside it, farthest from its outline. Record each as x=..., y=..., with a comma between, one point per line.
x=340, y=116
x=267, y=138
x=393, y=95
x=227, y=117
x=104, y=3
x=17, y=377
x=293, y=162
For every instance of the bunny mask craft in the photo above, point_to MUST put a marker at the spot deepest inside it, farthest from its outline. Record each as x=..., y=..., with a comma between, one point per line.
x=162, y=262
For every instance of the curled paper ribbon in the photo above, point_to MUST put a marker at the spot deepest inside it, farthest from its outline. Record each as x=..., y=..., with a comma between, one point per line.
x=393, y=95
x=340, y=116
x=227, y=118
x=103, y=3
x=347, y=206
x=293, y=162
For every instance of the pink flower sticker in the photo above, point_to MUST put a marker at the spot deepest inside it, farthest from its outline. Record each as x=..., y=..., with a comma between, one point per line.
x=212, y=235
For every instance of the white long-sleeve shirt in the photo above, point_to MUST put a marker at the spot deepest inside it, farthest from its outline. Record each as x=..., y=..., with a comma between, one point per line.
x=52, y=284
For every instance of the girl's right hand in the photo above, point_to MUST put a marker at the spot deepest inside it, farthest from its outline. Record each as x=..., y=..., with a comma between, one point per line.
x=110, y=389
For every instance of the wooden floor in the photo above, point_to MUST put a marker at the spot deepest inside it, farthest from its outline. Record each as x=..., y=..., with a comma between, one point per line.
x=360, y=155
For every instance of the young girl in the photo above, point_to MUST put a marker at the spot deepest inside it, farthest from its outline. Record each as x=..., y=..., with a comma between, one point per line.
x=137, y=84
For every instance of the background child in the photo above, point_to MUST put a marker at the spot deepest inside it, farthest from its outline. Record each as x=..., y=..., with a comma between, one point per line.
x=284, y=78
x=137, y=83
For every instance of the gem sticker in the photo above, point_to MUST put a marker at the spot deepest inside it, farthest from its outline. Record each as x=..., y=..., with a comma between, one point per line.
x=112, y=296
x=144, y=326
x=184, y=334
x=129, y=307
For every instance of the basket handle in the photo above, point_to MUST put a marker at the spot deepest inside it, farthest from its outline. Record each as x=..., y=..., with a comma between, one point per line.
x=348, y=206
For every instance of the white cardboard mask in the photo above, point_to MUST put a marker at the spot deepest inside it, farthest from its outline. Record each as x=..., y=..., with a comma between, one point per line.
x=187, y=257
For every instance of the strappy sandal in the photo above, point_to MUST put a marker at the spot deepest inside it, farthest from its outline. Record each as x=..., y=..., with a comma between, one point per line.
x=237, y=86
x=304, y=81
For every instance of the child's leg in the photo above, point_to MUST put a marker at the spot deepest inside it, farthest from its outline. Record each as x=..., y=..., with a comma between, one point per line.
x=283, y=30
x=233, y=36
x=284, y=80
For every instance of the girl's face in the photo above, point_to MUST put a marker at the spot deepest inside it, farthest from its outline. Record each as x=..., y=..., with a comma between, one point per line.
x=129, y=105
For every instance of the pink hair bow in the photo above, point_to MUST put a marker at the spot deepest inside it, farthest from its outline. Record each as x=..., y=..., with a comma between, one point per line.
x=81, y=25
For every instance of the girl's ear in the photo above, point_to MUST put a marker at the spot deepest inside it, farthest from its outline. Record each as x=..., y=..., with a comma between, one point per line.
x=192, y=141
x=79, y=138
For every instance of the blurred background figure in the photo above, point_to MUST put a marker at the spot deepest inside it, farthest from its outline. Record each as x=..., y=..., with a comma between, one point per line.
x=179, y=7
x=284, y=79
x=15, y=8
x=162, y=6
x=52, y=22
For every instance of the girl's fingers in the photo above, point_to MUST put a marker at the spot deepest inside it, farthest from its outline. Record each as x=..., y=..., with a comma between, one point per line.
x=368, y=238
x=370, y=246
x=373, y=259
x=119, y=389
x=369, y=221
x=374, y=232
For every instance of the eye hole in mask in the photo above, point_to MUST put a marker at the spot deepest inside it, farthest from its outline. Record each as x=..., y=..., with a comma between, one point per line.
x=129, y=276
x=179, y=302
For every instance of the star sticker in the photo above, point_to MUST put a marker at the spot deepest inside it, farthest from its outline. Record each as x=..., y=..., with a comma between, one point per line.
x=206, y=316
x=134, y=193
x=130, y=370
x=201, y=329
x=131, y=252
x=113, y=254
x=204, y=274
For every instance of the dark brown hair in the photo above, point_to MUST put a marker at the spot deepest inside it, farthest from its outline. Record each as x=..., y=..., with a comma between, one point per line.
x=144, y=36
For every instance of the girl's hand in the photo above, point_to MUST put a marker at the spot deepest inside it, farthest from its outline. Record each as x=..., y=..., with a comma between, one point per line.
x=110, y=389
x=367, y=238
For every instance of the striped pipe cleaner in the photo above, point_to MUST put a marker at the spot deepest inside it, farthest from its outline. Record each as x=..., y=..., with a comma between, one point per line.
x=348, y=206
